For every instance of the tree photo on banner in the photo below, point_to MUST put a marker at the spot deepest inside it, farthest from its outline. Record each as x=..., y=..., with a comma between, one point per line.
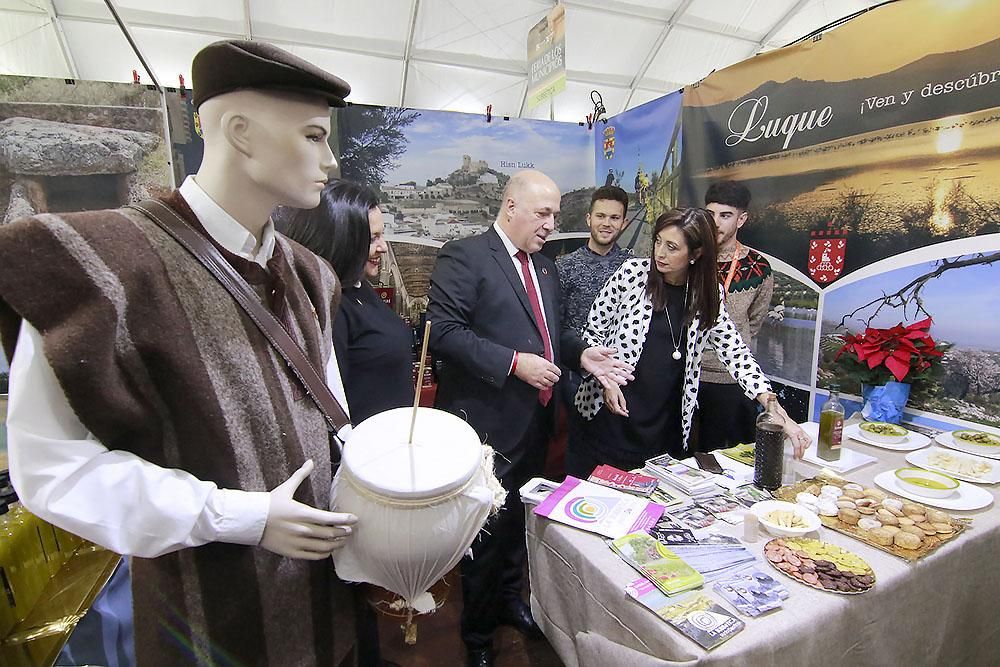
x=959, y=294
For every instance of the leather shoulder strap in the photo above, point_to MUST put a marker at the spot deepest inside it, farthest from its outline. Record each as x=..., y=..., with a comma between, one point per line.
x=207, y=254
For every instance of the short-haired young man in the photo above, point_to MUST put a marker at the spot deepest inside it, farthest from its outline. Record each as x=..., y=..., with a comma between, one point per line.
x=582, y=274
x=725, y=416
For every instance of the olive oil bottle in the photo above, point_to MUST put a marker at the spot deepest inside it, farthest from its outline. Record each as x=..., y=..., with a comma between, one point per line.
x=831, y=426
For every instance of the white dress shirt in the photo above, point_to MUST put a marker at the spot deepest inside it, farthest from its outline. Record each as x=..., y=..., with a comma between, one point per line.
x=115, y=498
x=512, y=250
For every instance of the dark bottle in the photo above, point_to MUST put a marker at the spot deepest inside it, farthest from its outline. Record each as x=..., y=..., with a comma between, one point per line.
x=768, y=457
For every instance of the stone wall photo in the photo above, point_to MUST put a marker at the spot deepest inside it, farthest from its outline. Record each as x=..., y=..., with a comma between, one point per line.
x=72, y=146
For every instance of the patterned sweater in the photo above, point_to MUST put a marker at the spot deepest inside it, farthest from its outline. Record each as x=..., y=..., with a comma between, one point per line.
x=155, y=358
x=747, y=302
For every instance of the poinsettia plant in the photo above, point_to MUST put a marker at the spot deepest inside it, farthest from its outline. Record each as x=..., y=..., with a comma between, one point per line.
x=900, y=353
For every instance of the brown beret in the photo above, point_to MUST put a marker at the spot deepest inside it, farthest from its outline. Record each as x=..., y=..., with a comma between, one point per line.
x=222, y=67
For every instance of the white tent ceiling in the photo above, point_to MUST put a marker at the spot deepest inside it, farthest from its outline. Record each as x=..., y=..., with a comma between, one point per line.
x=457, y=55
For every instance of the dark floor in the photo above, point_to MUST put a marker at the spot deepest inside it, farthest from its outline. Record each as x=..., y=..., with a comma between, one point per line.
x=439, y=643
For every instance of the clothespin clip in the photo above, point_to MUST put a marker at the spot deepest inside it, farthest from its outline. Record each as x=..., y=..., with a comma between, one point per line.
x=489, y=113
x=135, y=76
x=182, y=91
x=590, y=121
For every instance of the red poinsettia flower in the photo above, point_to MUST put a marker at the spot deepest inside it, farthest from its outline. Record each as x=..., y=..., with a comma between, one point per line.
x=900, y=349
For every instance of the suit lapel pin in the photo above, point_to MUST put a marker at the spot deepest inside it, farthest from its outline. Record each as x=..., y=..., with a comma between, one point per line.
x=545, y=271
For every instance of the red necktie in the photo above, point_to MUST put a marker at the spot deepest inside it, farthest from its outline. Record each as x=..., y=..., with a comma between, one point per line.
x=544, y=395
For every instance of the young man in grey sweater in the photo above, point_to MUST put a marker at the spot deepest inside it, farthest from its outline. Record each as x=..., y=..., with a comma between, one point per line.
x=582, y=274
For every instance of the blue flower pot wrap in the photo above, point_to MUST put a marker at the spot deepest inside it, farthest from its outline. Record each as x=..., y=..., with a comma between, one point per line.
x=885, y=403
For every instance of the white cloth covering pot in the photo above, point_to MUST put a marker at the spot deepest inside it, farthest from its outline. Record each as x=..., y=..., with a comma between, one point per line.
x=419, y=506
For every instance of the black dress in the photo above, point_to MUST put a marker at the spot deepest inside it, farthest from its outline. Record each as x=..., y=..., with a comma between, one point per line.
x=653, y=399
x=373, y=347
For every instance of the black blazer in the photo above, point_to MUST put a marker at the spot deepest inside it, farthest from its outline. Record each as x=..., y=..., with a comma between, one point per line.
x=480, y=315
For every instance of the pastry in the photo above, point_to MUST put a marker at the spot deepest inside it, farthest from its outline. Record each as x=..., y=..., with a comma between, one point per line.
x=881, y=536
x=913, y=530
x=875, y=494
x=846, y=504
x=831, y=490
x=852, y=486
x=868, y=523
x=892, y=529
x=907, y=540
x=886, y=517
x=866, y=509
x=909, y=509
x=827, y=507
x=805, y=498
x=892, y=504
x=917, y=518
x=906, y=521
x=937, y=516
x=853, y=494
x=849, y=516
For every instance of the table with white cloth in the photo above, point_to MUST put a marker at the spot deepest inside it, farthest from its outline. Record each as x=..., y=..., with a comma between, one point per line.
x=943, y=609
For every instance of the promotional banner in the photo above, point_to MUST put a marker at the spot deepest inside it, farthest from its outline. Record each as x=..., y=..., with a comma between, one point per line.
x=547, y=57
x=639, y=150
x=862, y=144
x=440, y=176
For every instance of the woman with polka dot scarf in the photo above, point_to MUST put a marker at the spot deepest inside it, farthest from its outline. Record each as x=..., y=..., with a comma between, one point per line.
x=661, y=313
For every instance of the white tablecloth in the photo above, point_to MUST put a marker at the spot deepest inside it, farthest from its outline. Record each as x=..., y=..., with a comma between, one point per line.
x=941, y=610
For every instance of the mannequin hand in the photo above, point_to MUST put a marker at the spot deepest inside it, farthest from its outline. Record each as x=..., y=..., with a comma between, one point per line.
x=800, y=439
x=614, y=399
x=296, y=530
x=537, y=371
x=602, y=364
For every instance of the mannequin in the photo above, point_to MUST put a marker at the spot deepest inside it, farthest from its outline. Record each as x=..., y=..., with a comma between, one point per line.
x=165, y=421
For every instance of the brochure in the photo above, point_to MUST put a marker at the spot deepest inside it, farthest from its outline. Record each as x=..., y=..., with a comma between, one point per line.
x=628, y=482
x=752, y=592
x=702, y=619
x=598, y=509
x=657, y=563
x=708, y=630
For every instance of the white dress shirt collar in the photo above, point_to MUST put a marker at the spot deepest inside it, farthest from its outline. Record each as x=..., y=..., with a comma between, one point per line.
x=511, y=248
x=224, y=228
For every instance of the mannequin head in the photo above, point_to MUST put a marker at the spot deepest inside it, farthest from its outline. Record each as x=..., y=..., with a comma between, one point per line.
x=265, y=118
x=266, y=145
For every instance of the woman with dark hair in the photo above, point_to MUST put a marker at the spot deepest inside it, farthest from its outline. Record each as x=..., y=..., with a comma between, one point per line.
x=372, y=343
x=661, y=313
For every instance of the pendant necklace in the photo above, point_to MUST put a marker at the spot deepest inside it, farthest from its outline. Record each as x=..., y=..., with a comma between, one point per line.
x=676, y=354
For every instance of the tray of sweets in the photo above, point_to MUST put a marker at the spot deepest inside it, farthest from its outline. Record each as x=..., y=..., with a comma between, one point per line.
x=897, y=526
x=820, y=565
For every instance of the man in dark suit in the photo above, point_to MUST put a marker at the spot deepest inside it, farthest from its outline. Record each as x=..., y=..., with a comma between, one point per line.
x=494, y=308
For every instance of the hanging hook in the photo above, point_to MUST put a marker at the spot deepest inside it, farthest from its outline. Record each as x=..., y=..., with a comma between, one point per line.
x=599, y=109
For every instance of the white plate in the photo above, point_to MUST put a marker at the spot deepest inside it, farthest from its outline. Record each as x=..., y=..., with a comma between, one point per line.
x=913, y=440
x=810, y=518
x=966, y=498
x=849, y=459
x=947, y=440
x=920, y=459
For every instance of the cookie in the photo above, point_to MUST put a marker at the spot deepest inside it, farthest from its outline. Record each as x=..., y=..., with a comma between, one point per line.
x=849, y=516
x=906, y=540
x=875, y=494
x=937, y=516
x=881, y=536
